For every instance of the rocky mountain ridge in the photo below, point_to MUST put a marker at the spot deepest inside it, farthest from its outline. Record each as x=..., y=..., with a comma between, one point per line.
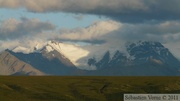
x=144, y=58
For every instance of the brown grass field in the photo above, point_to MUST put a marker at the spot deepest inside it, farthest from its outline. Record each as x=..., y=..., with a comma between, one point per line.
x=80, y=88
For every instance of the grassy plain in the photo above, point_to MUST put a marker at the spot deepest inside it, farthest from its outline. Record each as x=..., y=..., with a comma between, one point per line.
x=56, y=88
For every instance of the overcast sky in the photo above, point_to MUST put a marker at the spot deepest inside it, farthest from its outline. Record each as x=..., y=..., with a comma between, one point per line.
x=90, y=21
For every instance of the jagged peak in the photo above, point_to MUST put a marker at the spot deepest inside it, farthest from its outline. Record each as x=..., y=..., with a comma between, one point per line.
x=142, y=43
x=53, y=42
x=150, y=45
x=70, y=51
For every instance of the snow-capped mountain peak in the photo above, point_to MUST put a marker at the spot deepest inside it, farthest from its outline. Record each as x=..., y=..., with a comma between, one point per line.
x=72, y=52
x=134, y=53
x=61, y=58
x=139, y=53
x=145, y=46
x=52, y=45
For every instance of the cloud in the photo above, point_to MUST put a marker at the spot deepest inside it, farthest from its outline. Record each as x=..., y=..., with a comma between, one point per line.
x=167, y=31
x=100, y=32
x=109, y=31
x=113, y=32
x=98, y=37
x=91, y=34
x=83, y=6
x=12, y=28
x=123, y=10
x=27, y=44
x=8, y=44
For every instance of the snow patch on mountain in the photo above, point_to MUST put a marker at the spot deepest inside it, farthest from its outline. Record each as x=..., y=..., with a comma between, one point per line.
x=72, y=52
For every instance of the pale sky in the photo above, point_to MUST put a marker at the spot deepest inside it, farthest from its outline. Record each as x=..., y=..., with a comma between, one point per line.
x=61, y=20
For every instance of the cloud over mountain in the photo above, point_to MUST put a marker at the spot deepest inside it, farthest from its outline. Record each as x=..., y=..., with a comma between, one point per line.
x=110, y=30
x=110, y=33
x=93, y=33
x=123, y=10
x=13, y=29
x=167, y=31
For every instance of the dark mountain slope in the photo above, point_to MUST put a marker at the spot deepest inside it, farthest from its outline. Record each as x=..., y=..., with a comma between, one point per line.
x=52, y=63
x=9, y=64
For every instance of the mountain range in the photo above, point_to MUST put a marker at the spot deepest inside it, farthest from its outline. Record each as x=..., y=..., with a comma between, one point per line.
x=142, y=58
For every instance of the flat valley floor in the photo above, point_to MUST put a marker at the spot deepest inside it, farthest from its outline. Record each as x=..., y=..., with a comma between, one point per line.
x=80, y=88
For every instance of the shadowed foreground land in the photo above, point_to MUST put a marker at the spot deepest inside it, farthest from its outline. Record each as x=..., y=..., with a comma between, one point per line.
x=54, y=88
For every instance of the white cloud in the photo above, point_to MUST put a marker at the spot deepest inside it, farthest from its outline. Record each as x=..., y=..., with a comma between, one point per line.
x=111, y=31
x=13, y=29
x=8, y=44
x=93, y=32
